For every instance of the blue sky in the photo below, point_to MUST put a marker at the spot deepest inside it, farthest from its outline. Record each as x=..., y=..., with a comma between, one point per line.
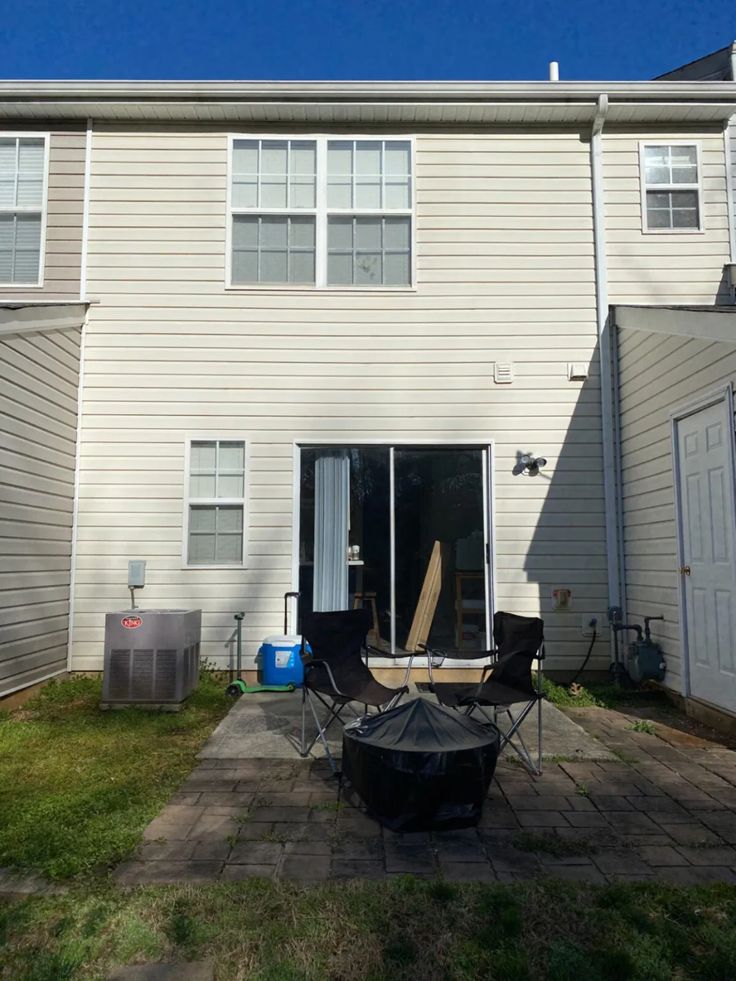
x=357, y=39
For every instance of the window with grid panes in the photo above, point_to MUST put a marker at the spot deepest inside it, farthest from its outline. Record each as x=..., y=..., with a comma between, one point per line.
x=671, y=187
x=216, y=502
x=324, y=212
x=22, y=173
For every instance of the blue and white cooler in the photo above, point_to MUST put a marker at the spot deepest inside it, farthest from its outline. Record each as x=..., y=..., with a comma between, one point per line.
x=279, y=660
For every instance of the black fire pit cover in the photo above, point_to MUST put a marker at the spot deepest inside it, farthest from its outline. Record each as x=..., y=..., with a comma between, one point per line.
x=420, y=766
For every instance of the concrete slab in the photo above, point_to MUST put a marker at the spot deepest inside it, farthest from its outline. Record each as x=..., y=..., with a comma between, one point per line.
x=267, y=725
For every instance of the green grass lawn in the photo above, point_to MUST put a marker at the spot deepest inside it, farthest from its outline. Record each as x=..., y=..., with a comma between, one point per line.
x=78, y=785
x=406, y=929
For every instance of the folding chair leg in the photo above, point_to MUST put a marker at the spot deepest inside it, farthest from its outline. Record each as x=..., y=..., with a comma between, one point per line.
x=322, y=733
x=539, y=736
x=507, y=738
x=522, y=750
x=334, y=713
x=303, y=746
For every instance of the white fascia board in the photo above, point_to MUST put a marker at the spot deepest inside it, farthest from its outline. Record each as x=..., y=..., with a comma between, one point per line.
x=718, y=324
x=58, y=91
x=378, y=102
x=35, y=317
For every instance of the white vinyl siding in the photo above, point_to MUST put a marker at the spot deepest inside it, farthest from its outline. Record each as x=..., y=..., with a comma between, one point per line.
x=320, y=212
x=38, y=428
x=504, y=272
x=23, y=163
x=215, y=510
x=659, y=373
x=670, y=176
x=669, y=266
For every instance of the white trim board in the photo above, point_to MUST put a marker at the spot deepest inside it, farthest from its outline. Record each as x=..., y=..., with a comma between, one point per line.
x=724, y=393
x=716, y=324
x=41, y=317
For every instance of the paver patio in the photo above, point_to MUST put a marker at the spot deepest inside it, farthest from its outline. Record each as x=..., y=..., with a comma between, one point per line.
x=664, y=809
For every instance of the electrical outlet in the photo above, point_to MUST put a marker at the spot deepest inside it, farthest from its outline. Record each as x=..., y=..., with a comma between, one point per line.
x=590, y=622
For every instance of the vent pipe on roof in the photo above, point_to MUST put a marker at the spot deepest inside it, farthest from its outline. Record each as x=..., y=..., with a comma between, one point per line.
x=554, y=71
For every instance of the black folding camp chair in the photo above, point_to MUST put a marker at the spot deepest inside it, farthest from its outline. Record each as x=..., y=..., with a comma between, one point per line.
x=336, y=675
x=504, y=683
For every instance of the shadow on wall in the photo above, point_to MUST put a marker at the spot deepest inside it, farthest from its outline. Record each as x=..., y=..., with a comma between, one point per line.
x=566, y=556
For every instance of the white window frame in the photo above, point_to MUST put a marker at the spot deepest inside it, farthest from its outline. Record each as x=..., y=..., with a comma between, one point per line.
x=488, y=446
x=32, y=135
x=644, y=187
x=320, y=214
x=189, y=500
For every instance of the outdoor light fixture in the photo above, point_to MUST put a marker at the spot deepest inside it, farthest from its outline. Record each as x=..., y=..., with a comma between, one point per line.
x=529, y=464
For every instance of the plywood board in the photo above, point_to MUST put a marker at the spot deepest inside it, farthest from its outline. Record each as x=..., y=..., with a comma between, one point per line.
x=427, y=605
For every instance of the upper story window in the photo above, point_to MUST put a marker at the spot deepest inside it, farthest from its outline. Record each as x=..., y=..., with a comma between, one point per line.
x=22, y=205
x=321, y=212
x=670, y=187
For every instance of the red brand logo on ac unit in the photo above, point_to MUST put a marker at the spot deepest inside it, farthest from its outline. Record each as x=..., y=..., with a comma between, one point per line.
x=131, y=622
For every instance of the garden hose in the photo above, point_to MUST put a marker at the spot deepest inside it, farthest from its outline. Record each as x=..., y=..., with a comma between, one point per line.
x=585, y=662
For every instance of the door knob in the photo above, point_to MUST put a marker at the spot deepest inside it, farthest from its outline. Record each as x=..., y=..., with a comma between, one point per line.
x=684, y=570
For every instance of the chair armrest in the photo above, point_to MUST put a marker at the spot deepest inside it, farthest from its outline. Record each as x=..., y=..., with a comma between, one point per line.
x=313, y=663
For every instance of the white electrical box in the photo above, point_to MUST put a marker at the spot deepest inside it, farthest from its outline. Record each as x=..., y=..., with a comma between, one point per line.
x=136, y=574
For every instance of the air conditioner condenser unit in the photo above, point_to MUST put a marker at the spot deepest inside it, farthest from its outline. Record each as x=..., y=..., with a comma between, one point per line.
x=151, y=657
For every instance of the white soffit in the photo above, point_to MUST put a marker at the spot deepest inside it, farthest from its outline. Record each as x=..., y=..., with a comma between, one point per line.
x=415, y=103
x=703, y=323
x=19, y=318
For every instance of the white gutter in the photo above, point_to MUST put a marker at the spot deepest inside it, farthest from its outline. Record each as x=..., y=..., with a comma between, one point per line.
x=345, y=91
x=605, y=352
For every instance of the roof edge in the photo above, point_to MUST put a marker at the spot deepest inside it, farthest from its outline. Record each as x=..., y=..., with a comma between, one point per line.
x=348, y=91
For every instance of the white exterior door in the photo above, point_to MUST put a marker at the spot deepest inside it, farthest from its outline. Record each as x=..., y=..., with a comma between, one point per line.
x=704, y=441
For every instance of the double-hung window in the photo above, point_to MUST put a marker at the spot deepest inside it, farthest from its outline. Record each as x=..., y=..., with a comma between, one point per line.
x=22, y=203
x=321, y=212
x=670, y=176
x=215, y=506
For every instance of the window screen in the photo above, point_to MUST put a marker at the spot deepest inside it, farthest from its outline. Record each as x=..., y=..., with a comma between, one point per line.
x=672, y=189
x=22, y=162
x=216, y=502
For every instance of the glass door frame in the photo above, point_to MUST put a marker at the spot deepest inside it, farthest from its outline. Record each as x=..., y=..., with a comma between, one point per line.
x=487, y=446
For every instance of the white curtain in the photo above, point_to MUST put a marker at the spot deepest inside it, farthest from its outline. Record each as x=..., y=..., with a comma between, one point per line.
x=331, y=519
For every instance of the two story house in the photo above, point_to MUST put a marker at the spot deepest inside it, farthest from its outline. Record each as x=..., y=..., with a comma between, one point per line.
x=328, y=337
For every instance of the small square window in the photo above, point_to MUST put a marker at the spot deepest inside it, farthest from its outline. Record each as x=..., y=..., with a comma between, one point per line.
x=670, y=187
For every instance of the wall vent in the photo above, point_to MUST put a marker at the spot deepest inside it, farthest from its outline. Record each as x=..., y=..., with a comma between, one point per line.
x=503, y=372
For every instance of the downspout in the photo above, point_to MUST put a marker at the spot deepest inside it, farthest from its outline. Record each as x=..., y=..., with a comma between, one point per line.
x=605, y=354
x=80, y=393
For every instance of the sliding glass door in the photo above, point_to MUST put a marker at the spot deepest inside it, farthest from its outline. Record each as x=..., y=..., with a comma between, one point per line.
x=404, y=532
